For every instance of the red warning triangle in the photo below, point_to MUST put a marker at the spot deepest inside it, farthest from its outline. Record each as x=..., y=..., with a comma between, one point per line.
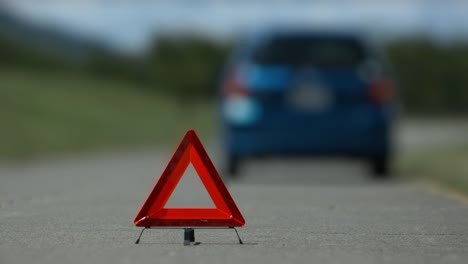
x=153, y=213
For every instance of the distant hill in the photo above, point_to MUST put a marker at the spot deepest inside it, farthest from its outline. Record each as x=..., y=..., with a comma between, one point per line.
x=44, y=38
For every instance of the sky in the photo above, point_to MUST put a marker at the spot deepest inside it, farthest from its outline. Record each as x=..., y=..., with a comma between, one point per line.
x=130, y=25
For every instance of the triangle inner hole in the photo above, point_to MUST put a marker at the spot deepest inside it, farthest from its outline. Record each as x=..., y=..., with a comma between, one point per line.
x=190, y=192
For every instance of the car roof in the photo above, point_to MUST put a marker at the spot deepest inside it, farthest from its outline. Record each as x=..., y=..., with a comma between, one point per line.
x=257, y=35
x=288, y=30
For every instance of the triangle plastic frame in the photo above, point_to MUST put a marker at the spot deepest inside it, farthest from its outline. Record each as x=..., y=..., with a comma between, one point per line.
x=153, y=213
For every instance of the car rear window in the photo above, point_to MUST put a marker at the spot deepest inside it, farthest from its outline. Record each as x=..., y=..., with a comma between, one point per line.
x=327, y=51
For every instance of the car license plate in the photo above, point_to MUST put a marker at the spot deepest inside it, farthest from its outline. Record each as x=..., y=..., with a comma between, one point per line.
x=310, y=98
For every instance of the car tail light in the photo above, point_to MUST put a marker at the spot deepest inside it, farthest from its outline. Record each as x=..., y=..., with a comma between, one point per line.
x=239, y=108
x=381, y=91
x=233, y=87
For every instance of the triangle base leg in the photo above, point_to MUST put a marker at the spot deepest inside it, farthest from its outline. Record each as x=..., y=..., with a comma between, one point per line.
x=141, y=233
x=189, y=236
x=237, y=233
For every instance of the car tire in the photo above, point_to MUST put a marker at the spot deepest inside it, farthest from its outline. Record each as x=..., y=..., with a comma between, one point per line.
x=233, y=164
x=380, y=168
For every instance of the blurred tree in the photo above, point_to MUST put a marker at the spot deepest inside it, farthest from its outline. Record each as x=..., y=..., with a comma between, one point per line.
x=433, y=78
x=186, y=67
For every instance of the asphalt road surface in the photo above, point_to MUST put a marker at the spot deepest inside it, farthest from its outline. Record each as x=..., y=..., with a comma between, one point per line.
x=80, y=210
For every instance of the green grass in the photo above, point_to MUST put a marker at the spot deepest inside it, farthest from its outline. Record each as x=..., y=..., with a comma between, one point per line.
x=447, y=166
x=47, y=113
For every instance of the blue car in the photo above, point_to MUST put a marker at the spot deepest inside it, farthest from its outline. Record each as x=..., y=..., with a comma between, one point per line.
x=304, y=92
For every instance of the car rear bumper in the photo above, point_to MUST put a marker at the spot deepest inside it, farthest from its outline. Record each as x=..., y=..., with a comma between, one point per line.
x=367, y=136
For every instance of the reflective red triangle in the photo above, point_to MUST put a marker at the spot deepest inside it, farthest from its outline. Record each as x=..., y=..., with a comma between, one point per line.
x=153, y=213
